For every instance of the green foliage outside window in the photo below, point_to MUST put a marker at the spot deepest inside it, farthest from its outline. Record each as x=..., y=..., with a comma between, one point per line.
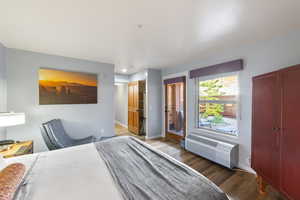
x=212, y=91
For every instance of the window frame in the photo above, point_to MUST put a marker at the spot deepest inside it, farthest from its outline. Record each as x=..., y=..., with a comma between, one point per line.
x=237, y=102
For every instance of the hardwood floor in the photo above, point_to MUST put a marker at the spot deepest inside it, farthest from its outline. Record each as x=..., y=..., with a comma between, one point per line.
x=237, y=184
x=122, y=131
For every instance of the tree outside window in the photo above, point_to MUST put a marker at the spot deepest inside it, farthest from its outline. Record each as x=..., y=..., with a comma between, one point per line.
x=217, y=104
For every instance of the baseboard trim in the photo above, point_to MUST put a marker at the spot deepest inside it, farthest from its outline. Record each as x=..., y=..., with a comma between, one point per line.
x=246, y=168
x=118, y=122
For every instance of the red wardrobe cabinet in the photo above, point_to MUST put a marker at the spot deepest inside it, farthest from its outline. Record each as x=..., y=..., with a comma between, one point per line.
x=276, y=130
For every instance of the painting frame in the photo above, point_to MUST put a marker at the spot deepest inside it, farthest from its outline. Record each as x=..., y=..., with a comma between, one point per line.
x=66, y=87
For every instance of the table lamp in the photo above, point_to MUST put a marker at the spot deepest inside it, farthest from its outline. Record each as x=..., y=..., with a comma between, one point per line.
x=11, y=119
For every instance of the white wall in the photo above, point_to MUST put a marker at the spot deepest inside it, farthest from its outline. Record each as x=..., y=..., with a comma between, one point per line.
x=79, y=120
x=262, y=57
x=2, y=87
x=154, y=103
x=121, y=104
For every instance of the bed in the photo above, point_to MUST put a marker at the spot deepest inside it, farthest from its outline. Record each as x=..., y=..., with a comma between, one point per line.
x=116, y=169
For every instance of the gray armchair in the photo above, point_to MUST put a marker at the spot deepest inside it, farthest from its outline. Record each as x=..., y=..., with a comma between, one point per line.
x=46, y=137
x=55, y=136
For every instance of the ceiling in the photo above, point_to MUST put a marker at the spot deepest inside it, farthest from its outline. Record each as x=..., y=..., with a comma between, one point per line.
x=137, y=34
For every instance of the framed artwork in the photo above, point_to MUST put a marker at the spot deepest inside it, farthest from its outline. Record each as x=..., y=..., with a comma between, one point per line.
x=66, y=87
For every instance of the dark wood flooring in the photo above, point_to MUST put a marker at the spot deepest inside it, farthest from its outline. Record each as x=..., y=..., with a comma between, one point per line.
x=237, y=184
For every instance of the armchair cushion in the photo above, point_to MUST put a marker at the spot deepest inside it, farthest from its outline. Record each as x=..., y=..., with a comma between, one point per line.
x=59, y=134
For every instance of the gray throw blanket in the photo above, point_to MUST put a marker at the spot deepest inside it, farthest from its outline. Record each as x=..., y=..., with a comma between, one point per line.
x=142, y=173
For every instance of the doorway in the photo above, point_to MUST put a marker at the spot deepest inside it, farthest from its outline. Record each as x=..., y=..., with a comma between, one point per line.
x=175, y=108
x=121, y=109
x=136, y=107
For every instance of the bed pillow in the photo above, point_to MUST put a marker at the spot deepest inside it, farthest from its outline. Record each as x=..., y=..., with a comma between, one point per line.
x=10, y=178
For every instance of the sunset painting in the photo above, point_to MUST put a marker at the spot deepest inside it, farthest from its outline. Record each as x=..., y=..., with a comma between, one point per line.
x=63, y=87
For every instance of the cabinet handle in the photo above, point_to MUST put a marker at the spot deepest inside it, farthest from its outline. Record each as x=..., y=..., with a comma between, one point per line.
x=276, y=129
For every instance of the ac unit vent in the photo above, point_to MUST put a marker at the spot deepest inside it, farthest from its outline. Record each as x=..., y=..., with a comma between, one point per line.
x=203, y=140
x=221, y=152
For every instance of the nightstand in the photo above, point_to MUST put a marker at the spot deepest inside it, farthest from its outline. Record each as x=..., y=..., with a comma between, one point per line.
x=18, y=149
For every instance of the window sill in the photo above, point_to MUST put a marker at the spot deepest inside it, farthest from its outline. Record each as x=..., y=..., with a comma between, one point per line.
x=215, y=135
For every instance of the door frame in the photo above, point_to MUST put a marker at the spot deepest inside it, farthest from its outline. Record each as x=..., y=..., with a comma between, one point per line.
x=140, y=84
x=164, y=100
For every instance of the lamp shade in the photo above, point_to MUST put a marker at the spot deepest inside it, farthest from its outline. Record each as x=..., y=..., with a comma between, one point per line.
x=11, y=119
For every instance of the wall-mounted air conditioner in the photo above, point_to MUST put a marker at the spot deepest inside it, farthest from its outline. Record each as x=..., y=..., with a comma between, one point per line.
x=221, y=152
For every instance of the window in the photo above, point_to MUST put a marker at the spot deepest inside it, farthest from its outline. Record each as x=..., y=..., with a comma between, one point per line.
x=217, y=104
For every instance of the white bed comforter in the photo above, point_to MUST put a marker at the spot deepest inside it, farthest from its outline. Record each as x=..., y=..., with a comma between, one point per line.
x=74, y=173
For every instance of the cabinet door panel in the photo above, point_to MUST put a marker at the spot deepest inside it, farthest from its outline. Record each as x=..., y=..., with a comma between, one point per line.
x=265, y=143
x=290, y=141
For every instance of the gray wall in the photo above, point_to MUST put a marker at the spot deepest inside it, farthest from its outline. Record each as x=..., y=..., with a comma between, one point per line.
x=153, y=100
x=79, y=120
x=121, y=104
x=154, y=108
x=262, y=57
x=142, y=75
x=2, y=86
x=121, y=78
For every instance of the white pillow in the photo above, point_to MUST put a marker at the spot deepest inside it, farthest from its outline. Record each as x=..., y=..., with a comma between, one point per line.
x=2, y=162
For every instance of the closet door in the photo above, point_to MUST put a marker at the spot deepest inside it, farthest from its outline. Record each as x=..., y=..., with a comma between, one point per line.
x=133, y=107
x=265, y=126
x=130, y=104
x=290, y=141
